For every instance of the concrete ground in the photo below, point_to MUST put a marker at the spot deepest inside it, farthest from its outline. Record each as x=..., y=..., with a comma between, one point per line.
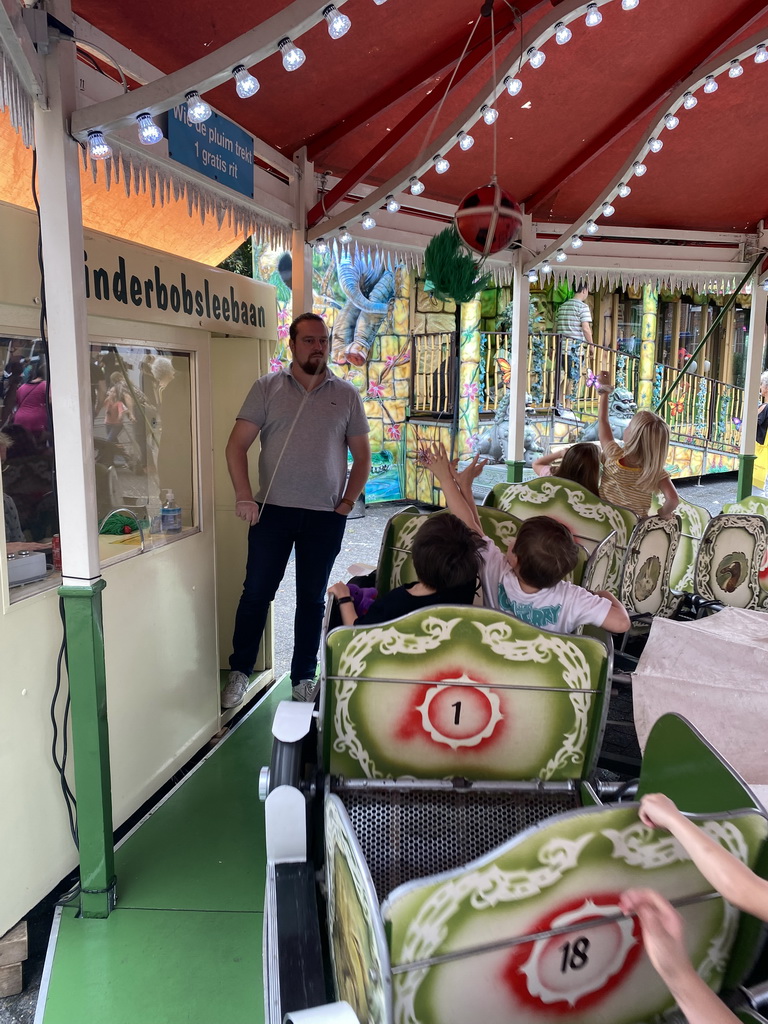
x=362, y=541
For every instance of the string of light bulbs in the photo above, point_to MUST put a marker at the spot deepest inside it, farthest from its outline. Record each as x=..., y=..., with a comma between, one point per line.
x=513, y=84
x=669, y=122
x=246, y=85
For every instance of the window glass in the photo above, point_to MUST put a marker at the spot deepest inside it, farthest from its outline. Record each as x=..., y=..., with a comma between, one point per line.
x=143, y=437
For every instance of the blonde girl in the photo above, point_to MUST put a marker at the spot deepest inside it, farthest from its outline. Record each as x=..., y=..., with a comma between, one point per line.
x=633, y=472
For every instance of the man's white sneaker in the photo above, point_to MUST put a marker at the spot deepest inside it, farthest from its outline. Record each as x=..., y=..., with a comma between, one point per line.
x=305, y=690
x=234, y=691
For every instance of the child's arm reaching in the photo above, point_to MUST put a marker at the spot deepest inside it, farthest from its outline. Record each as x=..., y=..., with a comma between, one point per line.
x=617, y=620
x=346, y=608
x=671, y=498
x=604, y=432
x=440, y=466
x=541, y=465
x=662, y=930
x=464, y=479
x=732, y=879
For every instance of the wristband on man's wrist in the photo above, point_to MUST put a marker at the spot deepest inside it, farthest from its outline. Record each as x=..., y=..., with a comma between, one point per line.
x=347, y=501
x=344, y=600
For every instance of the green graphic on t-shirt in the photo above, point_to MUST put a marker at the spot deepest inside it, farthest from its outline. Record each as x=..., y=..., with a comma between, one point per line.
x=539, y=617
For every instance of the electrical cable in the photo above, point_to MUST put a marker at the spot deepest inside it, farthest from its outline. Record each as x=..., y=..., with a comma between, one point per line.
x=61, y=766
x=86, y=44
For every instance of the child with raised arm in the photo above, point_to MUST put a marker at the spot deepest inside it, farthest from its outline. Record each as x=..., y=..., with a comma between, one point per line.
x=446, y=564
x=662, y=926
x=529, y=581
x=580, y=463
x=633, y=472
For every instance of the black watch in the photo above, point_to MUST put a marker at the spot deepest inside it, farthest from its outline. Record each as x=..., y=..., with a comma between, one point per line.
x=344, y=600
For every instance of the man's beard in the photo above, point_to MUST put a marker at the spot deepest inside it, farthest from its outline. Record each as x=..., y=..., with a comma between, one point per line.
x=313, y=364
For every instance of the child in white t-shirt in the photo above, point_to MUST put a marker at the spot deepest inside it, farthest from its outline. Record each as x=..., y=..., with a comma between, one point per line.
x=529, y=581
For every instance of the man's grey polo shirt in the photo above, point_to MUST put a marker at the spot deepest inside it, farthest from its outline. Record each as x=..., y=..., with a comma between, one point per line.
x=303, y=458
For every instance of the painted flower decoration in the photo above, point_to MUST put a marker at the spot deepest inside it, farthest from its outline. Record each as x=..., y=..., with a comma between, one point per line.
x=470, y=390
x=591, y=379
x=393, y=432
x=390, y=361
x=423, y=457
x=736, y=422
x=283, y=323
x=473, y=441
x=375, y=389
x=676, y=408
x=275, y=365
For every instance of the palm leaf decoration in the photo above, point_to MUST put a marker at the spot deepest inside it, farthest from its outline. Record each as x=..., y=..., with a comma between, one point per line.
x=450, y=269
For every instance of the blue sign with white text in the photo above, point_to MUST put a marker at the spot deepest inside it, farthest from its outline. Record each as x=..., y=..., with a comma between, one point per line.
x=217, y=148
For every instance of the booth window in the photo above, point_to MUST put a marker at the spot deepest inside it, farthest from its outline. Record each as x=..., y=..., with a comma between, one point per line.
x=26, y=454
x=144, y=443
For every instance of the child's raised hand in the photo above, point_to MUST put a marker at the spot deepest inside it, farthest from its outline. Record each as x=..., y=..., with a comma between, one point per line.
x=439, y=463
x=472, y=470
x=604, y=379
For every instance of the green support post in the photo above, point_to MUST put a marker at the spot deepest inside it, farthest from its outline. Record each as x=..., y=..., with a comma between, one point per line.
x=90, y=741
x=515, y=472
x=744, y=482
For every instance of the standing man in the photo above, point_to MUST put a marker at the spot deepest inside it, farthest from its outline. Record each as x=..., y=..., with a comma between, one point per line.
x=573, y=323
x=306, y=418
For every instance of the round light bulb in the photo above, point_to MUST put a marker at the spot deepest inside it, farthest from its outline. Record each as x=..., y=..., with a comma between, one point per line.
x=344, y=236
x=594, y=17
x=392, y=204
x=562, y=33
x=577, y=242
x=561, y=256
x=489, y=113
x=197, y=109
x=379, y=2
x=764, y=285
x=671, y=121
x=710, y=84
x=629, y=5
x=591, y=227
x=689, y=101
x=149, y=133
x=536, y=57
x=98, y=147
x=321, y=246
x=545, y=267
x=368, y=222
x=624, y=189
x=293, y=57
x=245, y=84
x=761, y=54
x=465, y=141
x=735, y=70
x=441, y=164
x=533, y=276
x=338, y=23
x=514, y=85
x=416, y=186
x=655, y=145
x=608, y=210
x=639, y=168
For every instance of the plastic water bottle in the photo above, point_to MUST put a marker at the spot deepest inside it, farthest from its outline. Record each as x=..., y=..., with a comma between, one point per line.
x=171, y=514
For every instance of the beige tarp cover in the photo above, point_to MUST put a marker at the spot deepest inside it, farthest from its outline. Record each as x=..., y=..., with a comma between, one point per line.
x=714, y=672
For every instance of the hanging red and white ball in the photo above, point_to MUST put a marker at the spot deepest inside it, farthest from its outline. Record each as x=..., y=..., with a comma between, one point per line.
x=488, y=219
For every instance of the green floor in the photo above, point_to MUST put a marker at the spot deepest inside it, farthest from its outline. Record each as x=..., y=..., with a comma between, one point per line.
x=184, y=944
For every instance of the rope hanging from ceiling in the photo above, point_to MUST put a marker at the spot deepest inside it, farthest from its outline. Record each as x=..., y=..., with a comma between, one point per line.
x=140, y=174
x=14, y=98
